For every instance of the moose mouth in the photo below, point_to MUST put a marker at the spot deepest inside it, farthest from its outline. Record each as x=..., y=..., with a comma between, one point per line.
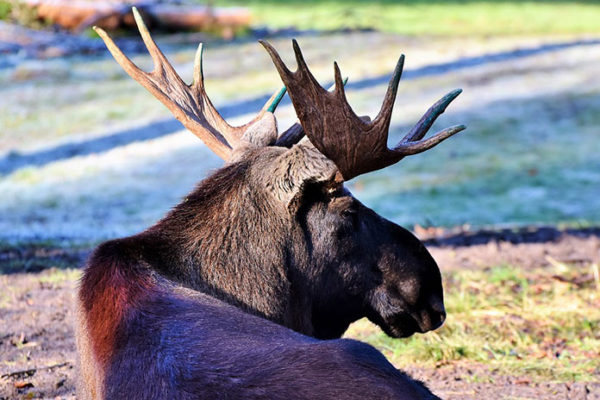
x=401, y=325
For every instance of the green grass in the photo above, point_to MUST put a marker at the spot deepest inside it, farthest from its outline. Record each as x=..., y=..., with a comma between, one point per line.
x=20, y=13
x=55, y=276
x=541, y=324
x=441, y=18
x=5, y=9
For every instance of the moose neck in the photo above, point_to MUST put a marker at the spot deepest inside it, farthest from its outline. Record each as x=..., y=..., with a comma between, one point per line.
x=225, y=240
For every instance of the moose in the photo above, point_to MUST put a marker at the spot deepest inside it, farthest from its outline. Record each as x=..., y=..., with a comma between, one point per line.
x=244, y=289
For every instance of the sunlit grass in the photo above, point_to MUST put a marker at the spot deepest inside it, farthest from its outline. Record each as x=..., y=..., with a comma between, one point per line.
x=439, y=18
x=542, y=324
x=58, y=276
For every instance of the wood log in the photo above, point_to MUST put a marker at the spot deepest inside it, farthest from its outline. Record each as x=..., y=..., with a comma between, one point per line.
x=77, y=15
x=197, y=17
x=72, y=14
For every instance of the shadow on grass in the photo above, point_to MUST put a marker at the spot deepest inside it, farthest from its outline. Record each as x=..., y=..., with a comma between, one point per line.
x=541, y=234
x=28, y=257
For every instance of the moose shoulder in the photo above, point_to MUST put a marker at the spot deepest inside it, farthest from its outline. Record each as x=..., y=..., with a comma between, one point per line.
x=274, y=233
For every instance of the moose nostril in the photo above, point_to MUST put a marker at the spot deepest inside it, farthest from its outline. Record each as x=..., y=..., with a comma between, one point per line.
x=433, y=316
x=438, y=320
x=437, y=305
x=437, y=313
x=442, y=317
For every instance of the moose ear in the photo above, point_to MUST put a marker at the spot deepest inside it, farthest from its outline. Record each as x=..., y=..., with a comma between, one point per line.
x=294, y=169
x=261, y=133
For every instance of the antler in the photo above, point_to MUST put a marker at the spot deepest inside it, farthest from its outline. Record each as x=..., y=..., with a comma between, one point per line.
x=295, y=133
x=188, y=103
x=354, y=144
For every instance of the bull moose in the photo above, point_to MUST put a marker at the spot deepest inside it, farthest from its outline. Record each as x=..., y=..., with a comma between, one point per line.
x=235, y=291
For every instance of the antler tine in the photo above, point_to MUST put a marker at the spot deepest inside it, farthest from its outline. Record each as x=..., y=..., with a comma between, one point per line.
x=198, y=79
x=385, y=114
x=303, y=68
x=338, y=83
x=159, y=59
x=118, y=55
x=284, y=72
x=420, y=129
x=406, y=148
x=188, y=103
x=277, y=61
x=354, y=144
x=232, y=134
x=274, y=100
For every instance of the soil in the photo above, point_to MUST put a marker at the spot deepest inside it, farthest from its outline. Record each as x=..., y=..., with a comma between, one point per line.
x=37, y=345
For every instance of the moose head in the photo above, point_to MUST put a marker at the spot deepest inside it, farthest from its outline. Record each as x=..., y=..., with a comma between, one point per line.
x=274, y=231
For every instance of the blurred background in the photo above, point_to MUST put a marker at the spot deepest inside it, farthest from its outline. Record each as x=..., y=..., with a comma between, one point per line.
x=87, y=154
x=509, y=208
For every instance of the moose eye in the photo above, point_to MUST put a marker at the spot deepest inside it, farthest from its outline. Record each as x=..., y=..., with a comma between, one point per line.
x=348, y=223
x=348, y=213
x=351, y=216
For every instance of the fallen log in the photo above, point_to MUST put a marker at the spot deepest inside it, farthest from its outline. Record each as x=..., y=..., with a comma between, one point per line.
x=196, y=17
x=71, y=15
x=80, y=14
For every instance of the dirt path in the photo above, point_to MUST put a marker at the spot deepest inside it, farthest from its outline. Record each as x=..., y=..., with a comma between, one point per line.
x=37, y=340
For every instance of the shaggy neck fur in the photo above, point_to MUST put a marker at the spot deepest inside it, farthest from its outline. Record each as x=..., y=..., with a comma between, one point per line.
x=229, y=241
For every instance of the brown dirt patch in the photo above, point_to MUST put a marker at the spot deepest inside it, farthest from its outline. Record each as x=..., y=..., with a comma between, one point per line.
x=37, y=345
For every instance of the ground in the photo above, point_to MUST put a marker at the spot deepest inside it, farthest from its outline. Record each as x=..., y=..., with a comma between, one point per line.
x=37, y=340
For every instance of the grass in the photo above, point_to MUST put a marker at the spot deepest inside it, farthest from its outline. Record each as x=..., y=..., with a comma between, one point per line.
x=16, y=11
x=540, y=324
x=436, y=18
x=409, y=17
x=57, y=276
